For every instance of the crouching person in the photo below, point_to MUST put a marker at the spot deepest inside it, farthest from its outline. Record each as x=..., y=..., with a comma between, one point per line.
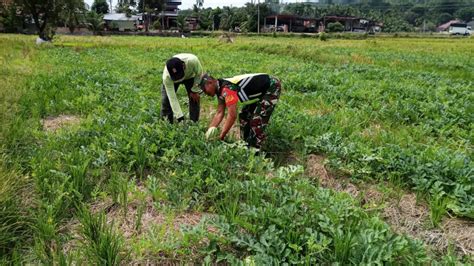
x=183, y=69
x=258, y=95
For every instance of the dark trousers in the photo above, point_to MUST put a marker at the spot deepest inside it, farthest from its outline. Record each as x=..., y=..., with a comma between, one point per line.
x=255, y=117
x=194, y=107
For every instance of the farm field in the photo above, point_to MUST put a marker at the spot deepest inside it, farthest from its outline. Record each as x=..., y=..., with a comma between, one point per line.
x=369, y=157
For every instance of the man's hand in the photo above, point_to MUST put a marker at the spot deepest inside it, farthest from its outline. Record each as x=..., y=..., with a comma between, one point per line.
x=194, y=96
x=229, y=122
x=212, y=133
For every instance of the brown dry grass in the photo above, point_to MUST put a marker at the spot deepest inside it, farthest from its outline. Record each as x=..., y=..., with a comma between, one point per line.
x=226, y=38
x=53, y=123
x=315, y=167
x=125, y=221
x=411, y=217
x=406, y=215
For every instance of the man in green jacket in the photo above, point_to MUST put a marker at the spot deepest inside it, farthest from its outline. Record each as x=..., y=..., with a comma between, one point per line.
x=181, y=69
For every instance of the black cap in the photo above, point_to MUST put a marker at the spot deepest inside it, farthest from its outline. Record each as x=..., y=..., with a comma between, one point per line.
x=175, y=67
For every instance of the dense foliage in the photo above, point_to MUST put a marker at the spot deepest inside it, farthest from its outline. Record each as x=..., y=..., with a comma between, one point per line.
x=395, y=16
x=376, y=111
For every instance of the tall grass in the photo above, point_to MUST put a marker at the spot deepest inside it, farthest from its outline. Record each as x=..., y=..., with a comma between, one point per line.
x=16, y=199
x=102, y=245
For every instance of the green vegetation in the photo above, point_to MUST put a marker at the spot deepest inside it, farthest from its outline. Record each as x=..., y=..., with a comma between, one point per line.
x=396, y=110
x=335, y=27
x=396, y=16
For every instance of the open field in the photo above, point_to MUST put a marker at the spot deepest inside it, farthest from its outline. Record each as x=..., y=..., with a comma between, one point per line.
x=368, y=158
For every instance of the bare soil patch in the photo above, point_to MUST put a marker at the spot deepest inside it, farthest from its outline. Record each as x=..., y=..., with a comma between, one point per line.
x=125, y=221
x=406, y=215
x=411, y=217
x=53, y=123
x=315, y=167
x=226, y=38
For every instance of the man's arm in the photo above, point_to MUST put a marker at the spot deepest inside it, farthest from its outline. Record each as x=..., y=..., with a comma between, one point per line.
x=171, y=93
x=197, y=78
x=229, y=121
x=218, y=116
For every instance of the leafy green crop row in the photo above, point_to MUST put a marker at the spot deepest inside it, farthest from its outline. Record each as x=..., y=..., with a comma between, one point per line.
x=371, y=123
x=281, y=218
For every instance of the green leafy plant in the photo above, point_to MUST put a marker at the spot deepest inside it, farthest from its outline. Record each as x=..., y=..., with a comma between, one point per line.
x=335, y=27
x=118, y=188
x=393, y=112
x=15, y=219
x=437, y=209
x=103, y=246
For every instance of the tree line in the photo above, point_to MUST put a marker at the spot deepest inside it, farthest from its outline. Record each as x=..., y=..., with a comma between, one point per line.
x=47, y=15
x=396, y=16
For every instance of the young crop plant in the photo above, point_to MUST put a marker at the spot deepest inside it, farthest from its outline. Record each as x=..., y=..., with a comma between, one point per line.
x=438, y=208
x=119, y=188
x=102, y=245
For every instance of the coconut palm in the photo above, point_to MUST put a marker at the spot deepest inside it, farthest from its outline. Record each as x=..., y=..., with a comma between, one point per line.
x=95, y=22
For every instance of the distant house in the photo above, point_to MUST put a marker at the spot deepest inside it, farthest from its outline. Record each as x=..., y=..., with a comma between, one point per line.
x=169, y=15
x=445, y=26
x=293, y=23
x=290, y=23
x=192, y=23
x=120, y=21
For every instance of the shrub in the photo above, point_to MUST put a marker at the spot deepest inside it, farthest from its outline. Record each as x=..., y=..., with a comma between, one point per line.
x=335, y=27
x=157, y=24
x=323, y=36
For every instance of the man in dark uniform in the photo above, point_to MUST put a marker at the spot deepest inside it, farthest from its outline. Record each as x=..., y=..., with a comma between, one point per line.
x=257, y=93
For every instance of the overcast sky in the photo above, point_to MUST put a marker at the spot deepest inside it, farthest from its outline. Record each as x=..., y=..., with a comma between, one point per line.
x=207, y=3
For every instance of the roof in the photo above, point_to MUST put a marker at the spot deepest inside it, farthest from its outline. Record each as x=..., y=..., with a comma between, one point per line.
x=168, y=14
x=342, y=17
x=446, y=25
x=289, y=17
x=120, y=16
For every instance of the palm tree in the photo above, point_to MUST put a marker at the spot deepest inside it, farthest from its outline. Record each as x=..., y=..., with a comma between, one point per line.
x=199, y=3
x=95, y=22
x=227, y=17
x=181, y=22
x=73, y=14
